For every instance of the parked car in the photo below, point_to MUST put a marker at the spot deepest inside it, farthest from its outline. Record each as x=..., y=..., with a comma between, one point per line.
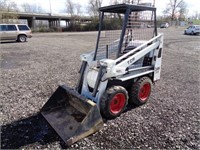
x=194, y=29
x=18, y=32
x=164, y=25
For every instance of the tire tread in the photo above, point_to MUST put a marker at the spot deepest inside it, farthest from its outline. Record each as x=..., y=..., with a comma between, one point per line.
x=133, y=93
x=104, y=102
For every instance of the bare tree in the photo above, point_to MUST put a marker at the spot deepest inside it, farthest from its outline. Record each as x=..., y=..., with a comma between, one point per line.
x=183, y=10
x=70, y=8
x=12, y=6
x=31, y=8
x=27, y=7
x=131, y=1
x=93, y=7
x=113, y=2
x=124, y=1
x=78, y=9
x=2, y=5
x=196, y=15
x=74, y=10
x=6, y=7
x=174, y=8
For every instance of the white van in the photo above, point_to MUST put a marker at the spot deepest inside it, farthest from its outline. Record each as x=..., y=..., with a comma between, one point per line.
x=18, y=32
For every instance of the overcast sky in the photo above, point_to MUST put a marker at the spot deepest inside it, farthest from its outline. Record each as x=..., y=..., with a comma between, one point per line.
x=59, y=5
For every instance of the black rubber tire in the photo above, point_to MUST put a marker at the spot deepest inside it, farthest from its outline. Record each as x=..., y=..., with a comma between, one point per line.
x=107, y=97
x=22, y=38
x=185, y=33
x=134, y=93
x=192, y=33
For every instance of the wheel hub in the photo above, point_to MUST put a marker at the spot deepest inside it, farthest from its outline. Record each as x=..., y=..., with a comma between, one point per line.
x=117, y=103
x=145, y=92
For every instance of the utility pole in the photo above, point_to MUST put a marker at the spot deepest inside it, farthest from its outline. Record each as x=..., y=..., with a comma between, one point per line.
x=50, y=7
x=35, y=9
x=154, y=3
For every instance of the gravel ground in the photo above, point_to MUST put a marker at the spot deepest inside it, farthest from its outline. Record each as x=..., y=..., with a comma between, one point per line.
x=31, y=71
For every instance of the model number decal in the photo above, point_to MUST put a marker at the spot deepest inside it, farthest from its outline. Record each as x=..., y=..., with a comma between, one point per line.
x=131, y=61
x=157, y=70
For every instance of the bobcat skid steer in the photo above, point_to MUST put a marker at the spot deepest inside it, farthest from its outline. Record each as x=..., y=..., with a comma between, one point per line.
x=121, y=70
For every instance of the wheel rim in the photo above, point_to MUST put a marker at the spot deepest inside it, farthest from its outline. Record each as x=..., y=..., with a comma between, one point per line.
x=22, y=38
x=117, y=103
x=145, y=92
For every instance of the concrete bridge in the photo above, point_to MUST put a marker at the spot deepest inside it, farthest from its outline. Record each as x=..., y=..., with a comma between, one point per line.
x=54, y=20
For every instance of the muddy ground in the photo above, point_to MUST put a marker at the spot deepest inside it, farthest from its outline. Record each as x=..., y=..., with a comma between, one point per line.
x=31, y=71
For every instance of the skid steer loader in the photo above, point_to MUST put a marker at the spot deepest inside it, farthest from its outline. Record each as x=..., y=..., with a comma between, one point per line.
x=121, y=70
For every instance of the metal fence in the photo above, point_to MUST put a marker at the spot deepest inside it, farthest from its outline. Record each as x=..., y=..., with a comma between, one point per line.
x=139, y=28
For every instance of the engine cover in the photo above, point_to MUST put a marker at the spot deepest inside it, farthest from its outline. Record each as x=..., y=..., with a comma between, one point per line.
x=92, y=77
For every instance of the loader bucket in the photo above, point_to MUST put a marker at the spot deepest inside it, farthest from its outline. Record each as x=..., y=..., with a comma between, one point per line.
x=71, y=115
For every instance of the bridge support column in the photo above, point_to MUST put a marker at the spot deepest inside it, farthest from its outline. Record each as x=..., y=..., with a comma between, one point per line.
x=31, y=22
x=59, y=25
x=67, y=23
x=59, y=20
x=54, y=23
x=50, y=23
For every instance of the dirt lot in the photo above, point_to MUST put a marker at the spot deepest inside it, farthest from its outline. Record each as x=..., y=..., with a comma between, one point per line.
x=31, y=71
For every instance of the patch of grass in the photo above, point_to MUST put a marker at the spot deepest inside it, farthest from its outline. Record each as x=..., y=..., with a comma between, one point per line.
x=196, y=22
